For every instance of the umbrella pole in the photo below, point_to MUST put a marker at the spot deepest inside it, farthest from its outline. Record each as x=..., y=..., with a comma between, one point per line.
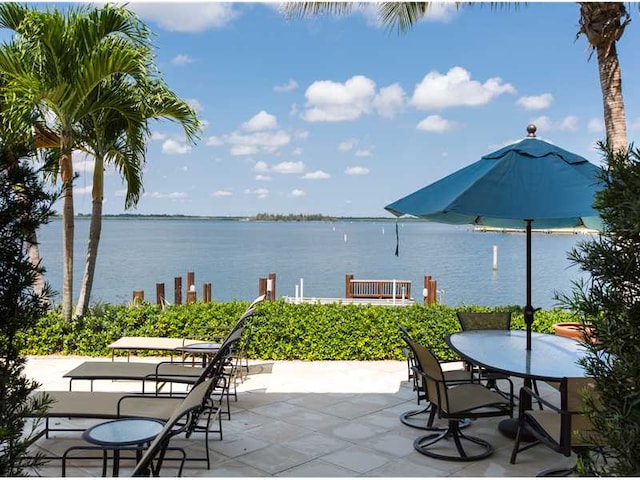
x=528, y=309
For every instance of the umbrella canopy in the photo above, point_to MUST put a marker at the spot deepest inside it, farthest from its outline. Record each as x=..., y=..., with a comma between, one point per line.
x=531, y=182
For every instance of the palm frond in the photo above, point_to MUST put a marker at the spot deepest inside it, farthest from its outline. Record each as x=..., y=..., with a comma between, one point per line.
x=293, y=10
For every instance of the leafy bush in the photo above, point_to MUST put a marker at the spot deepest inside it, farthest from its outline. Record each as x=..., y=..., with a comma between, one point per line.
x=277, y=331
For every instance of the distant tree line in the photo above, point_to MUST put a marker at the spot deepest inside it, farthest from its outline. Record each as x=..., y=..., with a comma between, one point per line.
x=293, y=217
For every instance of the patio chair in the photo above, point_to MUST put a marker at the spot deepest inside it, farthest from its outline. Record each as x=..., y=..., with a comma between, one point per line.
x=563, y=428
x=488, y=321
x=415, y=418
x=183, y=419
x=455, y=403
x=158, y=373
x=114, y=405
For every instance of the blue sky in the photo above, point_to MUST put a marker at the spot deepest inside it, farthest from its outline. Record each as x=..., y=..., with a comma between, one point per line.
x=341, y=117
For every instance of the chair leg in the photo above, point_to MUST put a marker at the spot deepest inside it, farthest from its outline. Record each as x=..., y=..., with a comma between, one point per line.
x=423, y=443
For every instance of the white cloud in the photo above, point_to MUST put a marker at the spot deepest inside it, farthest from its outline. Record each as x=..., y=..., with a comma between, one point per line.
x=390, y=100
x=86, y=190
x=296, y=152
x=536, y=102
x=347, y=145
x=258, y=192
x=357, y=171
x=185, y=168
x=195, y=104
x=288, y=167
x=174, y=147
x=294, y=110
x=317, y=175
x=187, y=17
x=595, y=125
x=302, y=134
x=157, y=136
x=297, y=193
x=214, y=141
x=437, y=91
x=261, y=121
x=329, y=101
x=85, y=165
x=567, y=124
x=169, y=195
x=120, y=193
x=635, y=125
x=182, y=59
x=261, y=166
x=287, y=87
x=250, y=144
x=364, y=153
x=263, y=178
x=243, y=150
x=435, y=124
x=222, y=193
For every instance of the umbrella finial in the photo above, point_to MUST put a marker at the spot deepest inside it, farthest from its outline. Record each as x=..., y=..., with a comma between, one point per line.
x=531, y=130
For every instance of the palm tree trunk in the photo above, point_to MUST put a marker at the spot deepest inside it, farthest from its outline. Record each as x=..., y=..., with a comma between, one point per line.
x=611, y=86
x=66, y=172
x=95, y=228
x=34, y=259
x=603, y=24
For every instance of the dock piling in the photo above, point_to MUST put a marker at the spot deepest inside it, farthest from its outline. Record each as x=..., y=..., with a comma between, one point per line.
x=160, y=293
x=177, y=290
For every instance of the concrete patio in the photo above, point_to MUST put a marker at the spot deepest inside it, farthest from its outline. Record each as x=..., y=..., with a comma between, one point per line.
x=307, y=419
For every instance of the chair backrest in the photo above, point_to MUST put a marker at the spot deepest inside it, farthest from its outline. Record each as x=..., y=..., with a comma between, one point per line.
x=484, y=320
x=576, y=427
x=429, y=368
x=257, y=301
x=183, y=419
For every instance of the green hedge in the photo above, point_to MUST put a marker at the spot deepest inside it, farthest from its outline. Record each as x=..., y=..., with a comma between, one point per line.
x=277, y=331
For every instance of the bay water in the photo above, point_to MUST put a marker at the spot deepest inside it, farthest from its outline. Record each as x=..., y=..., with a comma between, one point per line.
x=135, y=254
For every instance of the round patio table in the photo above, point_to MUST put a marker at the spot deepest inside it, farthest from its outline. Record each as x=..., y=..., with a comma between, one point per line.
x=550, y=359
x=122, y=433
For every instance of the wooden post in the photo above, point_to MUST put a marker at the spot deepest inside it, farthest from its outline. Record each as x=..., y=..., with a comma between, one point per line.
x=192, y=296
x=271, y=282
x=191, y=280
x=425, y=291
x=433, y=290
x=348, y=292
x=138, y=297
x=160, y=293
x=206, y=292
x=177, y=290
x=262, y=286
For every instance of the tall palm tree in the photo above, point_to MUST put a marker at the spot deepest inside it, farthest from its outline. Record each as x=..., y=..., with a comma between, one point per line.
x=603, y=24
x=53, y=63
x=112, y=138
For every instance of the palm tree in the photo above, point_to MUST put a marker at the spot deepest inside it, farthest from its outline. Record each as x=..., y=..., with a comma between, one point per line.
x=112, y=138
x=53, y=63
x=603, y=24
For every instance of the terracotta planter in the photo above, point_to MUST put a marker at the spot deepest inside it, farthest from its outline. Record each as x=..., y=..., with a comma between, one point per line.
x=573, y=330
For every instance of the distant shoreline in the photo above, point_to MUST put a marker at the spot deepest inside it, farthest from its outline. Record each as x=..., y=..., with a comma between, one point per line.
x=242, y=219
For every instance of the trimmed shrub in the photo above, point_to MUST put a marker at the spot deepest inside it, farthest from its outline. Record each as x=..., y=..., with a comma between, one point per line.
x=277, y=331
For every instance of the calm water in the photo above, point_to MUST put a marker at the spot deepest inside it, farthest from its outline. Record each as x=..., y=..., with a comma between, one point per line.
x=137, y=254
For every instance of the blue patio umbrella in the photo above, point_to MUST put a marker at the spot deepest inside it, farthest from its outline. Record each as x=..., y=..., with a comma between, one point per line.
x=529, y=183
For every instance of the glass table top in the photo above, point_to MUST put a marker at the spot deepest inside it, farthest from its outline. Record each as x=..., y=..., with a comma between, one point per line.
x=551, y=357
x=123, y=432
x=199, y=347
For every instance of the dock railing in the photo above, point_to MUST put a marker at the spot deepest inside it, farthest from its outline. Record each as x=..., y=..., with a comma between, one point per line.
x=383, y=289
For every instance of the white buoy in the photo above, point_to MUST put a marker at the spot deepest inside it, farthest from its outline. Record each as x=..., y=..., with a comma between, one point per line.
x=345, y=238
x=383, y=230
x=495, y=257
